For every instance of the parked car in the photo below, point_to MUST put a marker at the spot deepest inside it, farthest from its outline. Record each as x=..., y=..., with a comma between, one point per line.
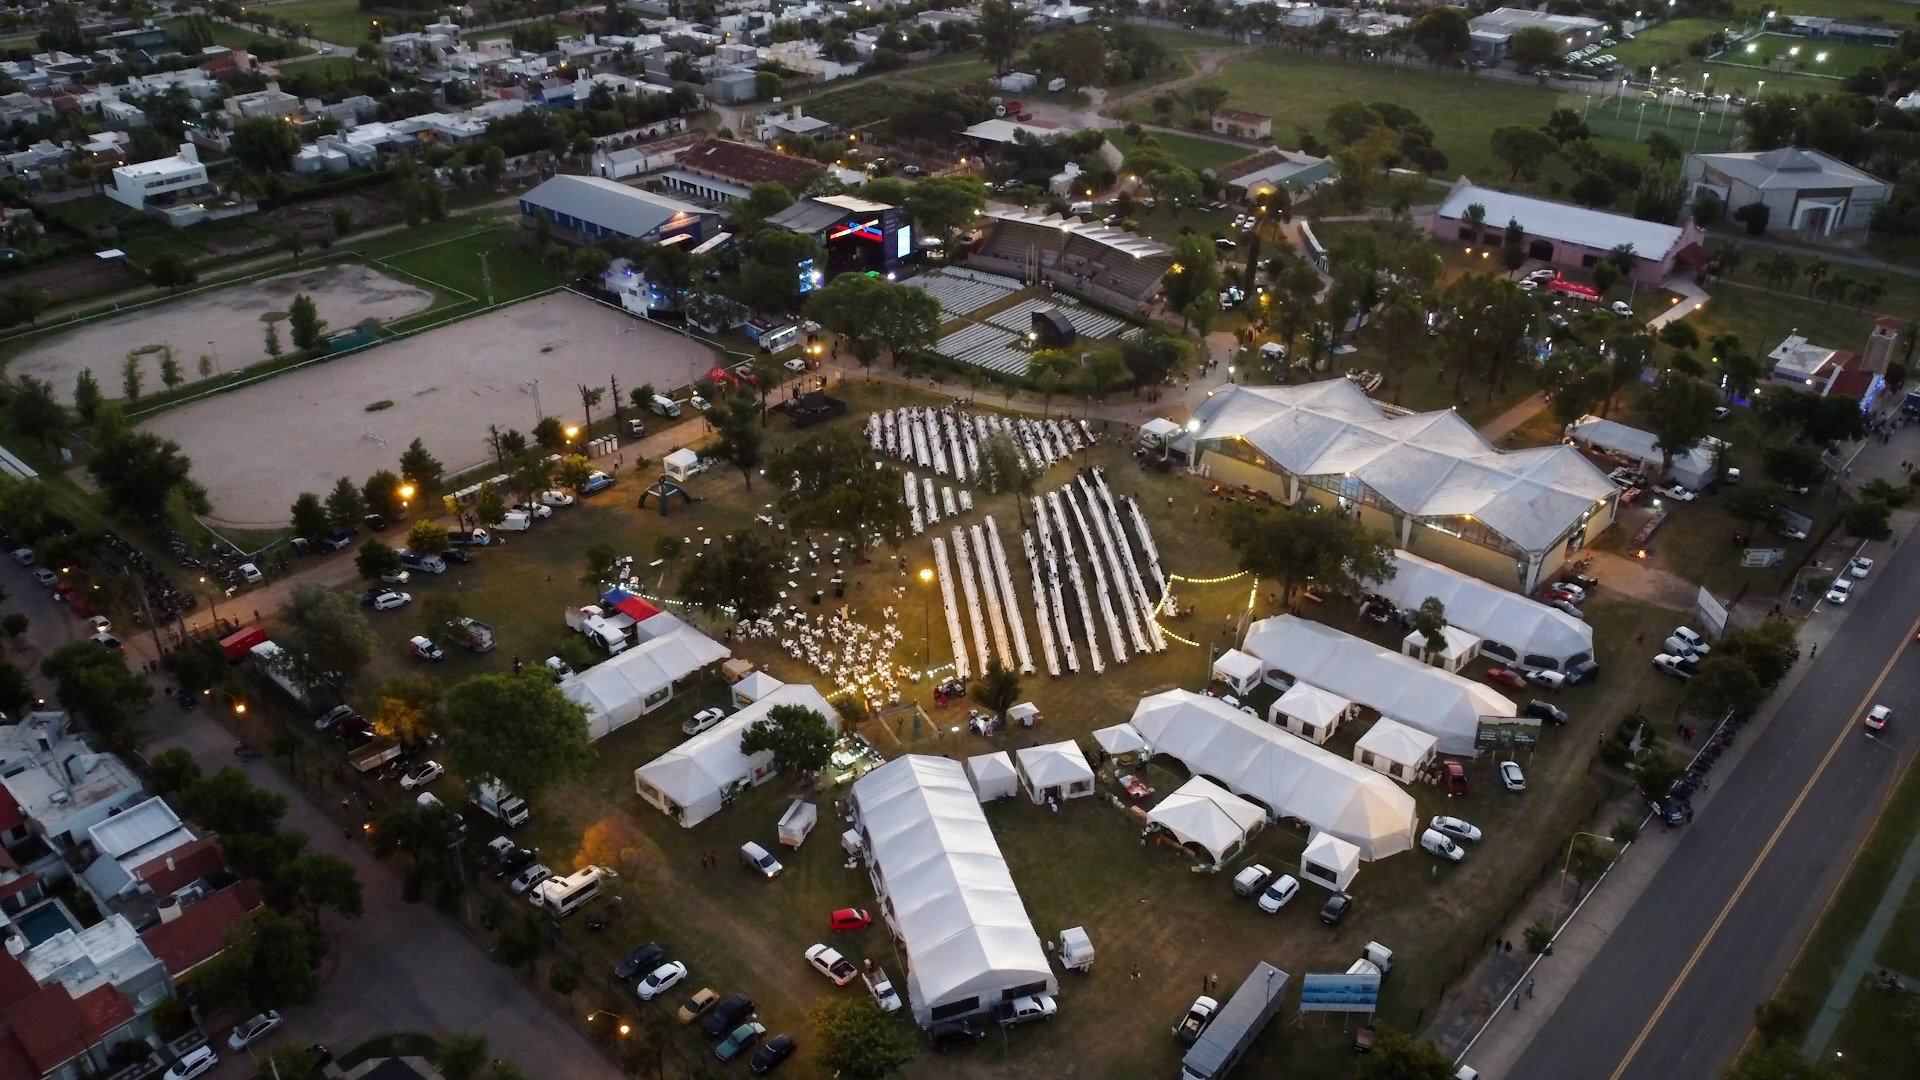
x=513, y=860
x=1694, y=642
x=692, y=1008
x=1877, y=718
x=559, y=669
x=828, y=961
x=561, y=498
x=598, y=482
x=388, y=601
x=45, y=576
x=1582, y=672
x=1250, y=880
x=1453, y=777
x=702, y=720
x=253, y=1030
x=528, y=878
x=881, y=987
x=1622, y=309
x=725, y=1016
x=1546, y=679
x=1199, y=1015
x=963, y=1032
x=849, y=919
x=424, y=648
x=795, y=365
x=777, y=1049
x=1859, y=566
x=1672, y=811
x=1676, y=493
x=1569, y=607
x=198, y=1061
x=1278, y=894
x=1668, y=664
x=642, y=958
x=534, y=510
x=1335, y=908
x=757, y=859
x=739, y=1041
x=661, y=979
x=1545, y=712
x=1840, y=591
x=1456, y=828
x=1511, y=777
x=1506, y=676
x=1435, y=842
x=421, y=775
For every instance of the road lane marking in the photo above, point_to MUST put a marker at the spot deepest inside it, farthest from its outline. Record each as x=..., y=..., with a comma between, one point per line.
x=1760, y=859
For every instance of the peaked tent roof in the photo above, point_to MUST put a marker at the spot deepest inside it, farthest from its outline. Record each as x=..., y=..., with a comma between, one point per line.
x=1237, y=665
x=1325, y=849
x=712, y=761
x=1291, y=776
x=610, y=690
x=1396, y=742
x=1119, y=739
x=1054, y=764
x=1483, y=608
x=993, y=775
x=1426, y=464
x=953, y=901
x=1790, y=167
x=1311, y=704
x=1204, y=813
x=1437, y=702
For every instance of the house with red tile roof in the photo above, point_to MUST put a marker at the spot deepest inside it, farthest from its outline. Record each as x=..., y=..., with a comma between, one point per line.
x=46, y=1031
x=190, y=936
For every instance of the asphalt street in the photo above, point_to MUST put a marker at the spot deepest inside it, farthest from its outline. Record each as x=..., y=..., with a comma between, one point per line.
x=1671, y=994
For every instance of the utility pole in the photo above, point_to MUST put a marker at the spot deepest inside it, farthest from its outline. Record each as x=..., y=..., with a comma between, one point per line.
x=537, y=414
x=486, y=278
x=613, y=387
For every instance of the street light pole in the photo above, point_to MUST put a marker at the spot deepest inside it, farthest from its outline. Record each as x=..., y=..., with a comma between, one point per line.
x=926, y=613
x=1560, y=894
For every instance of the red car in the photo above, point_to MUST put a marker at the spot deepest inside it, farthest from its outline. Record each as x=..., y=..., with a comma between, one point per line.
x=849, y=919
x=1453, y=776
x=1507, y=677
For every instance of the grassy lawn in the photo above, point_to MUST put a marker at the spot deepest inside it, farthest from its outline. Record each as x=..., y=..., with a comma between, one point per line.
x=1764, y=316
x=1463, y=112
x=342, y=22
x=560, y=30
x=1866, y=1043
x=1895, y=11
x=335, y=68
x=509, y=273
x=1084, y=866
x=1193, y=151
x=233, y=37
x=1784, y=53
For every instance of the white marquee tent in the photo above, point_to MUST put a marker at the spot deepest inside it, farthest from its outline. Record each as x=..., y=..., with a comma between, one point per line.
x=1693, y=470
x=1511, y=626
x=681, y=464
x=1238, y=670
x=693, y=781
x=945, y=890
x=1437, y=702
x=1209, y=816
x=1119, y=740
x=1288, y=775
x=1309, y=712
x=619, y=691
x=1055, y=770
x=1158, y=432
x=1395, y=749
x=1329, y=861
x=993, y=776
x=1460, y=648
x=753, y=687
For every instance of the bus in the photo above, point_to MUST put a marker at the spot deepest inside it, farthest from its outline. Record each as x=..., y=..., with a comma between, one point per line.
x=562, y=896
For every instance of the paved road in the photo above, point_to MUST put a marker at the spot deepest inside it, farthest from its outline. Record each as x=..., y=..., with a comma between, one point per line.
x=401, y=967
x=1672, y=993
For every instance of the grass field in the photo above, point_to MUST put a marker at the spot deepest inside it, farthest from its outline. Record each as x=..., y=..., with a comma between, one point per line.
x=342, y=22
x=1894, y=11
x=1085, y=866
x=233, y=37
x=1463, y=112
x=1195, y=152
x=1809, y=56
x=332, y=67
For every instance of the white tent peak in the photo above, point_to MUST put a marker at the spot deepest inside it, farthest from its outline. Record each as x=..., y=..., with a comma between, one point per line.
x=1204, y=813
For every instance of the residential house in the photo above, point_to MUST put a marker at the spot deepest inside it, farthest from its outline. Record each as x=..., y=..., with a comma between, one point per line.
x=107, y=954
x=1260, y=175
x=47, y=1032
x=126, y=842
x=161, y=182
x=271, y=102
x=192, y=932
x=1240, y=124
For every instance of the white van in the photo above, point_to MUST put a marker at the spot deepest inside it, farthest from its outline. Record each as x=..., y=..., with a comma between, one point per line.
x=515, y=521
x=1438, y=843
x=564, y=896
x=665, y=406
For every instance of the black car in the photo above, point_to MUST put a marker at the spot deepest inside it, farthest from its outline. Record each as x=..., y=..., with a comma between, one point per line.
x=367, y=598
x=768, y=1057
x=1546, y=712
x=1585, y=581
x=459, y=555
x=1335, y=908
x=336, y=538
x=354, y=738
x=374, y=522
x=1673, y=811
x=963, y=1032
x=1584, y=671
x=514, y=861
x=726, y=1016
x=640, y=961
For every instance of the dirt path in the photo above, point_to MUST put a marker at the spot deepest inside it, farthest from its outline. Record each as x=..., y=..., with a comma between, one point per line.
x=1207, y=62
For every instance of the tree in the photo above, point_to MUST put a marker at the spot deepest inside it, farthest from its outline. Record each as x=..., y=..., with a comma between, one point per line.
x=35, y=410
x=272, y=343
x=304, y=322
x=1779, y=1019
x=268, y=963
x=86, y=396
x=517, y=729
x=1533, y=46
x=488, y=507
x=494, y=164
x=139, y=471
x=800, y=739
x=1725, y=684
x=1430, y=619
x=328, y=642
x=941, y=204
x=131, y=377
x=573, y=472
x=1832, y=418
x=316, y=880
x=228, y=803
x=1048, y=368
x=1443, y=35
x=462, y=1057
x=739, y=577
x=309, y=516
x=998, y=688
x=345, y=505
x=763, y=200
x=427, y=537
x=590, y=397
x=1592, y=188
x=1680, y=334
x=169, y=270
x=1153, y=357
x=265, y=144
x=828, y=483
x=1794, y=465
x=1399, y=1055
x=172, y=770
x=740, y=436
x=1566, y=125
x=1195, y=273
x=1002, y=29
x=1350, y=121
x=1306, y=543
x=853, y=1039
x=1866, y=519
x=1102, y=372
x=423, y=471
x=1679, y=412
x=1538, y=937
x=376, y=559
x=381, y=495
x=1522, y=149
x=1605, y=276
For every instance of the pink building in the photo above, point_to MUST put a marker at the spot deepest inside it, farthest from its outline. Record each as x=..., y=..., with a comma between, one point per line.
x=1562, y=234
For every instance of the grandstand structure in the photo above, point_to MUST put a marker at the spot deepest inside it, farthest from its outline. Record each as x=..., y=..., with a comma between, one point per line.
x=1000, y=340
x=962, y=291
x=1110, y=265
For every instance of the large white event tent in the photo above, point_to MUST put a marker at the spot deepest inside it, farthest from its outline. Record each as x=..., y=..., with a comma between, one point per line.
x=1119, y=740
x=945, y=890
x=1437, y=702
x=1288, y=775
x=1054, y=771
x=691, y=782
x=1510, y=626
x=993, y=776
x=619, y=691
x=1208, y=816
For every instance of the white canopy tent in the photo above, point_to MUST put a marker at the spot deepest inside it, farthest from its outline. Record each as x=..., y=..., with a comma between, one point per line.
x=1329, y=861
x=1511, y=626
x=694, y=780
x=1119, y=740
x=945, y=890
x=1238, y=670
x=1309, y=712
x=681, y=464
x=993, y=776
x=1158, y=432
x=1289, y=776
x=1208, y=816
x=1054, y=771
x=1693, y=469
x=1460, y=647
x=1437, y=702
x=1395, y=749
x=639, y=680
x=753, y=687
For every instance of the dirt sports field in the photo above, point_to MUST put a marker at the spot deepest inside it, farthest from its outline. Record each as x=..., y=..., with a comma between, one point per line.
x=259, y=447
x=225, y=324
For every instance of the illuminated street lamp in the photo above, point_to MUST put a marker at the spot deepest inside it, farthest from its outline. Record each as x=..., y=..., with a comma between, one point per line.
x=926, y=612
x=572, y=432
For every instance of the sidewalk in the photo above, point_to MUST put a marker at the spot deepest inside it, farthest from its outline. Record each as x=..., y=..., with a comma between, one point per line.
x=1854, y=971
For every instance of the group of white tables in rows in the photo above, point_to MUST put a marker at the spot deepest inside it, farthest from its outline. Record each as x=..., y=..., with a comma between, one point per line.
x=1079, y=531
x=848, y=652
x=948, y=440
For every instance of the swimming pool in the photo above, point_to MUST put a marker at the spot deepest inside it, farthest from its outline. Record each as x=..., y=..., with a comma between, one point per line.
x=44, y=921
